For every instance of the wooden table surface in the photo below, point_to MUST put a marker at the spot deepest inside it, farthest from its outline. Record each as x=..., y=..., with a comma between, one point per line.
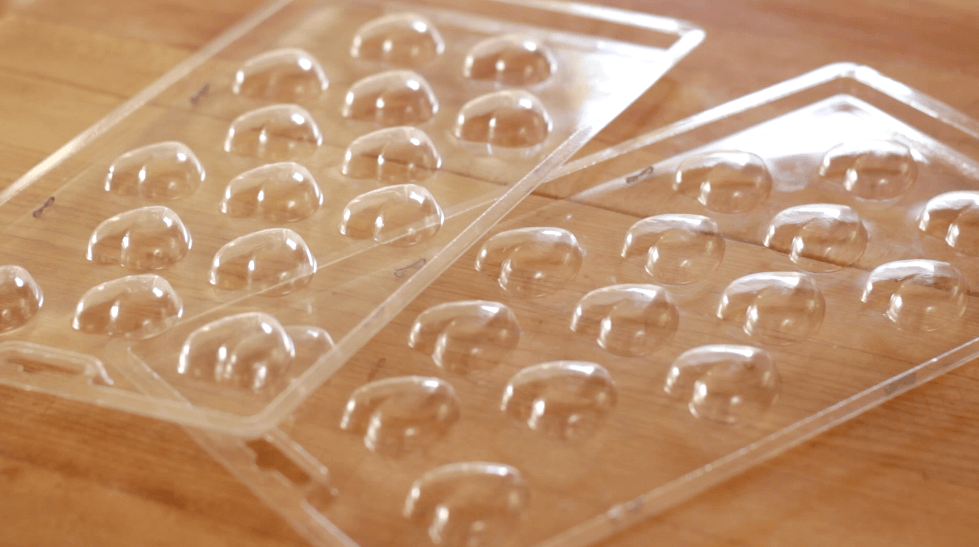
x=904, y=474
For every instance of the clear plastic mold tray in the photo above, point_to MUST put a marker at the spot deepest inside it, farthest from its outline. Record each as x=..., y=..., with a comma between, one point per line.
x=321, y=161
x=667, y=314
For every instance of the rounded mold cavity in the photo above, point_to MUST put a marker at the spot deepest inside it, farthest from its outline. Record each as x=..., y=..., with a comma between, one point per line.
x=954, y=218
x=566, y=400
x=510, y=60
x=20, y=297
x=274, y=262
x=725, y=383
x=287, y=75
x=724, y=182
x=400, y=415
x=395, y=97
x=774, y=307
x=531, y=261
x=400, y=215
x=917, y=295
x=274, y=133
x=249, y=351
x=469, y=504
x=820, y=237
x=628, y=320
x=679, y=249
x=136, y=307
x=874, y=170
x=506, y=119
x=402, y=39
x=466, y=336
x=395, y=155
x=277, y=192
x=149, y=238
x=160, y=172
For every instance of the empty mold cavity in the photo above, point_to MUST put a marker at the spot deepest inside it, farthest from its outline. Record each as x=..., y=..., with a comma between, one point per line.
x=161, y=171
x=954, y=218
x=774, y=307
x=287, y=75
x=627, y=320
x=136, y=306
x=874, y=170
x=566, y=400
x=509, y=60
x=466, y=336
x=395, y=155
x=399, y=415
x=275, y=261
x=678, y=249
x=250, y=351
x=469, y=504
x=505, y=119
x=724, y=182
x=395, y=97
x=20, y=297
x=402, y=39
x=400, y=215
x=531, y=261
x=277, y=192
x=819, y=237
x=917, y=295
x=725, y=383
x=149, y=238
x=274, y=133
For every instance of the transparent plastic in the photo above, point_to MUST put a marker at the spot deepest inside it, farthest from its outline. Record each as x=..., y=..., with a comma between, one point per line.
x=320, y=163
x=616, y=345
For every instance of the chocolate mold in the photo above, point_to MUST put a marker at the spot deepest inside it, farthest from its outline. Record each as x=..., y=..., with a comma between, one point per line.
x=819, y=237
x=148, y=238
x=531, y=261
x=159, y=172
x=136, y=306
x=402, y=39
x=874, y=170
x=678, y=248
x=287, y=75
x=396, y=155
x=725, y=383
x=276, y=192
x=395, y=97
x=400, y=215
x=627, y=319
x=504, y=120
x=274, y=133
x=725, y=182
x=510, y=60
x=275, y=261
x=466, y=336
x=399, y=415
x=774, y=307
x=471, y=503
x=917, y=295
x=20, y=297
x=953, y=217
x=567, y=400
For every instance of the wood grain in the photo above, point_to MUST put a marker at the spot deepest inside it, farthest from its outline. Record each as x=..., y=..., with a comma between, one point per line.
x=904, y=474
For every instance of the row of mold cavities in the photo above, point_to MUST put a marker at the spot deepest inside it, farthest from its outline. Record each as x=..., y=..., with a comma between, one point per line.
x=917, y=295
x=509, y=122
x=284, y=191
x=731, y=182
x=407, y=41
